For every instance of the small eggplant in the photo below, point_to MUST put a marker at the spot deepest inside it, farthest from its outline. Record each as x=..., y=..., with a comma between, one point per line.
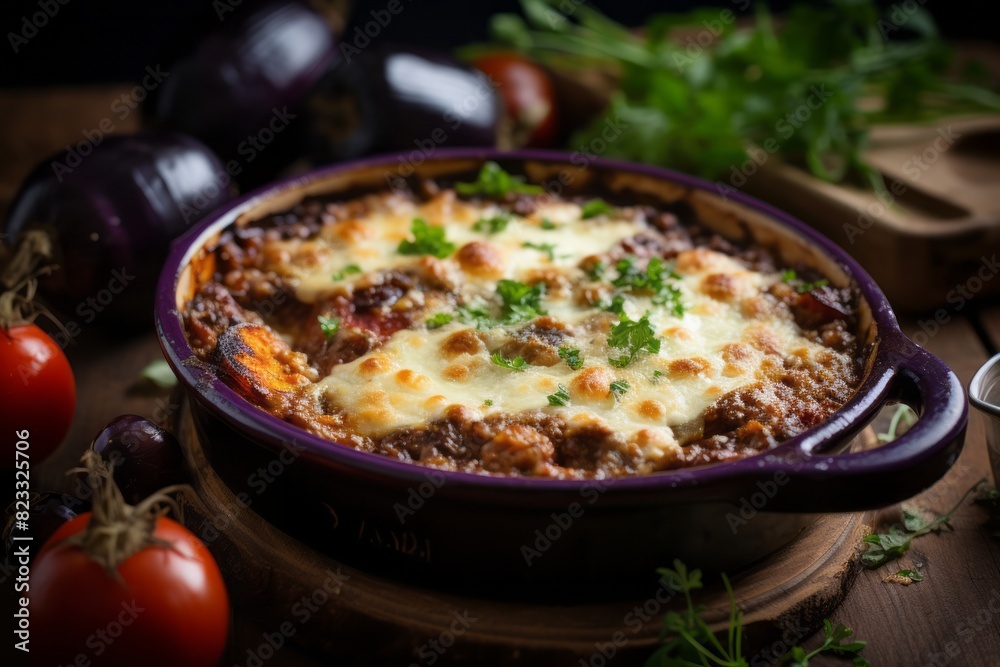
x=111, y=213
x=387, y=98
x=241, y=89
x=145, y=458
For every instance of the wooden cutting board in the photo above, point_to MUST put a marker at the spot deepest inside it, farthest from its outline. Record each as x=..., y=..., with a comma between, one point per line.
x=323, y=610
x=931, y=239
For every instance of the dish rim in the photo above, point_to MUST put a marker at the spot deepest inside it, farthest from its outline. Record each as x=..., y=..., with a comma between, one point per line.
x=890, y=347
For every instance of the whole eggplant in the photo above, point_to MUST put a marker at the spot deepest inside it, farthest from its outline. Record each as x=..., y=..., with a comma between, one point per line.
x=144, y=457
x=241, y=88
x=112, y=210
x=387, y=98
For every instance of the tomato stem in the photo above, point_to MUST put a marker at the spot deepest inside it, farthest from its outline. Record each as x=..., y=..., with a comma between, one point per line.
x=117, y=530
x=19, y=278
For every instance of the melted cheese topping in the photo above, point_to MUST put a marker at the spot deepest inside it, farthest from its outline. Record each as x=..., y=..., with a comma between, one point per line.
x=722, y=341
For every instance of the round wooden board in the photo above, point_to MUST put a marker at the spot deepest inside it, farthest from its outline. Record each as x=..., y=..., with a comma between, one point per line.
x=296, y=606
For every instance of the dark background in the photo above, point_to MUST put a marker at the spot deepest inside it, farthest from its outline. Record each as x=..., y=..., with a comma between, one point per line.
x=90, y=41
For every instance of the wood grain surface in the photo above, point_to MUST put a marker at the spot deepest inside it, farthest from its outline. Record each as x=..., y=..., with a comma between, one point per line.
x=945, y=620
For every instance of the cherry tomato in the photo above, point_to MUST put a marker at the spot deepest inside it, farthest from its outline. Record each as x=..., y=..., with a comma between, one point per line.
x=168, y=607
x=528, y=97
x=39, y=391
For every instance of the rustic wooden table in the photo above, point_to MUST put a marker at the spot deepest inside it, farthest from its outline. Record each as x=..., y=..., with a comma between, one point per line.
x=951, y=618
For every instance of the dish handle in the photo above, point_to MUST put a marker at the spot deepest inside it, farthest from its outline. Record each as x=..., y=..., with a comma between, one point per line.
x=894, y=471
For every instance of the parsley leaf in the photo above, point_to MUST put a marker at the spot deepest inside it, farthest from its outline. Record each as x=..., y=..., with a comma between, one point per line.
x=658, y=377
x=788, y=276
x=346, y=271
x=632, y=337
x=548, y=248
x=515, y=364
x=488, y=402
x=427, y=240
x=438, y=320
x=493, y=225
x=596, y=271
x=329, y=326
x=548, y=225
x=834, y=642
x=618, y=388
x=617, y=305
x=493, y=181
x=476, y=315
x=904, y=577
x=883, y=548
x=594, y=208
x=559, y=398
x=571, y=356
x=520, y=302
x=657, y=278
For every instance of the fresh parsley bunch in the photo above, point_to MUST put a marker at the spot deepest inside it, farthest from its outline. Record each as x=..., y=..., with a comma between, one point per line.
x=808, y=92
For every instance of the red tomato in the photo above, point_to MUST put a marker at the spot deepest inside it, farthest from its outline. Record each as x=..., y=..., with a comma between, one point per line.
x=39, y=391
x=169, y=607
x=528, y=97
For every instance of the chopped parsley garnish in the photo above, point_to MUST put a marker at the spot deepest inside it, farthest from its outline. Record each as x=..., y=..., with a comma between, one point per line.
x=548, y=248
x=559, y=398
x=618, y=389
x=617, y=305
x=476, y=315
x=788, y=276
x=596, y=272
x=657, y=278
x=493, y=181
x=329, y=326
x=493, y=225
x=548, y=225
x=632, y=337
x=346, y=271
x=594, y=208
x=571, y=356
x=439, y=320
x=658, y=376
x=520, y=302
x=515, y=364
x=488, y=402
x=427, y=240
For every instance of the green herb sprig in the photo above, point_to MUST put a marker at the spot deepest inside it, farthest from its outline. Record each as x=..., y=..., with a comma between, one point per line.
x=493, y=181
x=632, y=337
x=427, y=240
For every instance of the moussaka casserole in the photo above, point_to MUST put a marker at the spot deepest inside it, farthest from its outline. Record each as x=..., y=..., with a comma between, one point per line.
x=487, y=326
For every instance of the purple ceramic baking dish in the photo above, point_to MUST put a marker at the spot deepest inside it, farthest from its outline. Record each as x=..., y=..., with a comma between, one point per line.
x=535, y=537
